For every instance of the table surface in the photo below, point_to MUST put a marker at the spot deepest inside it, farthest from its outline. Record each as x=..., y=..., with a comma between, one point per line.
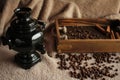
x=47, y=69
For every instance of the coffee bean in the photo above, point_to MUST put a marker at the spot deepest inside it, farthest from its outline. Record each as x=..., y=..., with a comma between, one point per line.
x=103, y=79
x=92, y=63
x=60, y=67
x=116, y=69
x=116, y=74
x=112, y=75
x=71, y=73
x=96, y=70
x=58, y=62
x=80, y=32
x=113, y=61
x=113, y=54
x=112, y=66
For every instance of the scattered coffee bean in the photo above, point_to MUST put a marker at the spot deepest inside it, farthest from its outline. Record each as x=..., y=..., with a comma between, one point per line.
x=78, y=63
x=92, y=63
x=112, y=66
x=103, y=79
x=116, y=69
x=116, y=74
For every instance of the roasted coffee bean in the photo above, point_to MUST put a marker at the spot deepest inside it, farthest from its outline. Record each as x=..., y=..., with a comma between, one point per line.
x=112, y=75
x=66, y=68
x=71, y=73
x=113, y=54
x=60, y=67
x=113, y=61
x=116, y=69
x=103, y=79
x=112, y=66
x=57, y=56
x=116, y=74
x=92, y=63
x=58, y=62
x=80, y=32
x=67, y=59
x=96, y=70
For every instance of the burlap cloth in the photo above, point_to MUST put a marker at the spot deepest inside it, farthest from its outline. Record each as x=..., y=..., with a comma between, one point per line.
x=49, y=10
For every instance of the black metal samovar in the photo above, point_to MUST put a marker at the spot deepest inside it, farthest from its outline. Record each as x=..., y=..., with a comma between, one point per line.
x=25, y=35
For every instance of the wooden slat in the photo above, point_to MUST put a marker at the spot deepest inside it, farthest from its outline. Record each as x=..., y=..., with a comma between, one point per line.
x=112, y=35
x=100, y=21
x=90, y=46
x=117, y=35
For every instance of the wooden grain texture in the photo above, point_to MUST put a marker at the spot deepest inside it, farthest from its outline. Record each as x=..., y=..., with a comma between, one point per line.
x=89, y=45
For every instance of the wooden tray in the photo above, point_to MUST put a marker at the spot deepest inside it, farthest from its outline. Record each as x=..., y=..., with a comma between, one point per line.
x=67, y=45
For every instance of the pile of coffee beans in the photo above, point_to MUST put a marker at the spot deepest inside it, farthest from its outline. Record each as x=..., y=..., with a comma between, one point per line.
x=84, y=32
x=106, y=57
x=80, y=67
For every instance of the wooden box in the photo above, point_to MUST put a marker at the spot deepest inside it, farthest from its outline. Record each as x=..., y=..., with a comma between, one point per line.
x=68, y=43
